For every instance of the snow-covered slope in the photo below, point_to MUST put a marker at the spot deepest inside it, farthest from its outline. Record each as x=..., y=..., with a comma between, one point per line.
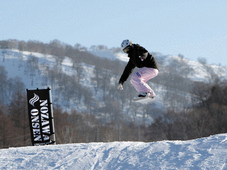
x=21, y=64
x=204, y=153
x=200, y=71
x=14, y=62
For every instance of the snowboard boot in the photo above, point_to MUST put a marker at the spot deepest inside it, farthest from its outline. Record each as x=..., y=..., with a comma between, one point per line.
x=146, y=95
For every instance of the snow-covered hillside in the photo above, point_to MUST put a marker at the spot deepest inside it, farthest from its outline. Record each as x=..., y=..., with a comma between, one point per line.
x=204, y=153
x=20, y=65
x=200, y=73
x=33, y=70
x=13, y=61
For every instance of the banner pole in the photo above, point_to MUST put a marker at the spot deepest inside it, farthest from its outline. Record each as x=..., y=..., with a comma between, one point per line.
x=52, y=115
x=30, y=122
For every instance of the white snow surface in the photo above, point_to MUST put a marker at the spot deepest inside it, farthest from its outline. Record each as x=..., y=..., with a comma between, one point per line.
x=203, y=153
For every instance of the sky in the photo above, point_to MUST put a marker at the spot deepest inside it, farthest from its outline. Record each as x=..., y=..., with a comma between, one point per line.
x=192, y=28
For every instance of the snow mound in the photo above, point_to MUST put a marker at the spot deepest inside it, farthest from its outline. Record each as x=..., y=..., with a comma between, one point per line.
x=203, y=153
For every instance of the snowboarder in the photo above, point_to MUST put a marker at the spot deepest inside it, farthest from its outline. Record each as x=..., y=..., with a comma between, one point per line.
x=148, y=69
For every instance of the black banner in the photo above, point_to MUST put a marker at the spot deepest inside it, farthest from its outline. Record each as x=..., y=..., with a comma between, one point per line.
x=40, y=116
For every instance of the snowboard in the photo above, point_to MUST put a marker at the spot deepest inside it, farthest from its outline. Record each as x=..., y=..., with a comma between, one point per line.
x=143, y=99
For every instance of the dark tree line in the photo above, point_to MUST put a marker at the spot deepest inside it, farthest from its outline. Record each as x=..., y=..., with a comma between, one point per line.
x=208, y=116
x=70, y=127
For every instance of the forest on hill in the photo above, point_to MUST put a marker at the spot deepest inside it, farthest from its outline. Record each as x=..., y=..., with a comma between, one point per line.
x=189, y=109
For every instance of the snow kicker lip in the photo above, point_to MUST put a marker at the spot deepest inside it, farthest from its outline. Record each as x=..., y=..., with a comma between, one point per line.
x=33, y=100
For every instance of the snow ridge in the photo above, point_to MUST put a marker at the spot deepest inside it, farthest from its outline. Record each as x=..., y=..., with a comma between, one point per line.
x=203, y=153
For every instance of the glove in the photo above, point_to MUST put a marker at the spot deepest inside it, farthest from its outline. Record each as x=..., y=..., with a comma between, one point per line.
x=143, y=56
x=120, y=87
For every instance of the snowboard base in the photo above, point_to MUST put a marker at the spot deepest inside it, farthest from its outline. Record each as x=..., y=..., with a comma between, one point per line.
x=143, y=99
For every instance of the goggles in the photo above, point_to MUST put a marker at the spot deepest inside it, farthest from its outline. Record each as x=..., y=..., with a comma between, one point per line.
x=126, y=49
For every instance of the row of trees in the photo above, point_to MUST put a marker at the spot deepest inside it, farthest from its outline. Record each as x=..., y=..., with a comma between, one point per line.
x=70, y=127
x=208, y=115
x=206, y=118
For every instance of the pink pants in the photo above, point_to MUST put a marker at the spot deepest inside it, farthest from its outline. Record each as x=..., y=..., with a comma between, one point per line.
x=140, y=78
